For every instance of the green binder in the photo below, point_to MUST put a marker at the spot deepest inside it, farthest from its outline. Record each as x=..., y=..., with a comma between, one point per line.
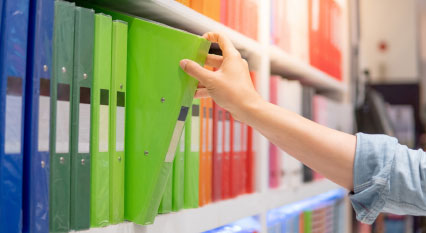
x=117, y=123
x=159, y=94
x=60, y=114
x=178, y=175
x=307, y=221
x=80, y=118
x=99, y=135
x=166, y=201
x=192, y=156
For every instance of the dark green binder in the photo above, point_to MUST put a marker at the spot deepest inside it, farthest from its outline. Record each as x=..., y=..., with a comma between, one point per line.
x=159, y=94
x=80, y=118
x=99, y=179
x=61, y=89
x=178, y=175
x=117, y=121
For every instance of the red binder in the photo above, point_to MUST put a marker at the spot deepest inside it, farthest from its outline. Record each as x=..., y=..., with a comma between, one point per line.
x=243, y=163
x=314, y=32
x=236, y=175
x=224, y=7
x=209, y=140
x=226, y=162
x=218, y=131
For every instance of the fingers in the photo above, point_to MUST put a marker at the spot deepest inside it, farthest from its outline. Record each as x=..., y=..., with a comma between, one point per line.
x=193, y=69
x=202, y=93
x=200, y=85
x=214, y=61
x=225, y=44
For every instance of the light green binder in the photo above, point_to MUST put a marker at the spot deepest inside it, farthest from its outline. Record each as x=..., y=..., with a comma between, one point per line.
x=178, y=175
x=99, y=202
x=192, y=156
x=166, y=201
x=159, y=94
x=80, y=118
x=60, y=115
x=117, y=121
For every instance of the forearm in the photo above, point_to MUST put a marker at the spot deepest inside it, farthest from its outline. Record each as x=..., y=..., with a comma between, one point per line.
x=325, y=150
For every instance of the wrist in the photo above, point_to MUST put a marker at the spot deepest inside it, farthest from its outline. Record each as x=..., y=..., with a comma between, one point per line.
x=249, y=108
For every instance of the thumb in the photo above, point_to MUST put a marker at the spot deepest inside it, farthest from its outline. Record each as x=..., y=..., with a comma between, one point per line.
x=193, y=69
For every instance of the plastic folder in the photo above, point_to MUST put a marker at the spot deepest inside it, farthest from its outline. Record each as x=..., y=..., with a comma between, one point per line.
x=202, y=182
x=13, y=51
x=209, y=153
x=218, y=128
x=250, y=153
x=117, y=122
x=99, y=179
x=80, y=118
x=166, y=201
x=192, y=155
x=178, y=175
x=60, y=123
x=236, y=150
x=37, y=120
x=159, y=95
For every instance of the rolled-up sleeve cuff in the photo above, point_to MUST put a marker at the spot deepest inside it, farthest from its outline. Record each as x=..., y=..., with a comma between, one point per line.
x=373, y=163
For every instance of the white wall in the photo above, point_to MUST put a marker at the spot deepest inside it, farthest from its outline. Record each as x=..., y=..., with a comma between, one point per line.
x=395, y=22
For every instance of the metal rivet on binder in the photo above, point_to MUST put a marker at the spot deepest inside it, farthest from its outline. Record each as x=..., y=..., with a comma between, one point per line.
x=45, y=68
x=121, y=86
x=83, y=161
x=162, y=100
x=43, y=164
x=119, y=159
x=62, y=160
x=84, y=76
x=146, y=152
x=64, y=70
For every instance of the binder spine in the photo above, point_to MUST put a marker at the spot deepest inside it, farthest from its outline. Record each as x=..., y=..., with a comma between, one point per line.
x=13, y=47
x=61, y=89
x=37, y=118
x=80, y=119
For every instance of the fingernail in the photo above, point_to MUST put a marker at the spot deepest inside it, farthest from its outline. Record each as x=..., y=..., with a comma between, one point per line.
x=183, y=63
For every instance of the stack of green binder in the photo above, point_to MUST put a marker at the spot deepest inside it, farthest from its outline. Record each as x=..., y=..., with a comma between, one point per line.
x=178, y=175
x=159, y=95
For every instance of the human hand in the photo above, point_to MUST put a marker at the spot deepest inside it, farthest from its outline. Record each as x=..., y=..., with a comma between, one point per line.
x=230, y=85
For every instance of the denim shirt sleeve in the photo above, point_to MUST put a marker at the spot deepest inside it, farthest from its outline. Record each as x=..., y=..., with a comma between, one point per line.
x=388, y=177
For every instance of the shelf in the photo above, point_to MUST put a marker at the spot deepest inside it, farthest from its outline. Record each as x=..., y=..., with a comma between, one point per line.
x=284, y=64
x=223, y=212
x=180, y=16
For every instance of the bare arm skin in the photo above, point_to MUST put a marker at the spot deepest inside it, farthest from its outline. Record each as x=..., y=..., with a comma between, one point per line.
x=325, y=150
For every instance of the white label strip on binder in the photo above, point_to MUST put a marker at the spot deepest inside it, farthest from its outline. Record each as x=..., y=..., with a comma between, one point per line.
x=176, y=134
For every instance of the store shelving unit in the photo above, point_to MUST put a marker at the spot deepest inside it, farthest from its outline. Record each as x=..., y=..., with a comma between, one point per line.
x=263, y=58
x=223, y=212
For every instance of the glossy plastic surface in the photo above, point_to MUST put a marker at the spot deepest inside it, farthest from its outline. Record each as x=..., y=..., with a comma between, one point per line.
x=13, y=48
x=159, y=94
x=80, y=118
x=166, y=200
x=192, y=155
x=117, y=121
x=99, y=179
x=60, y=159
x=36, y=152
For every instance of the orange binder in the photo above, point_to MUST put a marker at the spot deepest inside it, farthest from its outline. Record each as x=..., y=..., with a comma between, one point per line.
x=202, y=189
x=211, y=8
x=197, y=5
x=209, y=145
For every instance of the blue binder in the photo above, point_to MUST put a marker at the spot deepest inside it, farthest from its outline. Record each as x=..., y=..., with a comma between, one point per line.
x=37, y=112
x=13, y=51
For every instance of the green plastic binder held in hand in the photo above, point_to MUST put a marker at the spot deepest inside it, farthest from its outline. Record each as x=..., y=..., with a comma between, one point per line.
x=99, y=179
x=60, y=113
x=117, y=121
x=178, y=175
x=159, y=95
x=166, y=201
x=192, y=156
x=80, y=118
